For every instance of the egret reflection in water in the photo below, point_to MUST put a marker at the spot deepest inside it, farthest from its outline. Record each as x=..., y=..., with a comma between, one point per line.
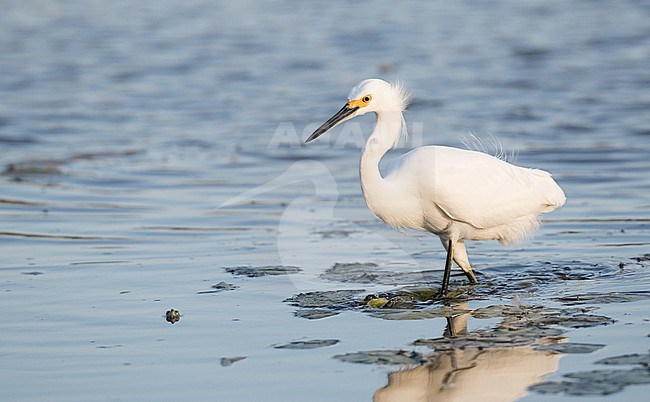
x=471, y=373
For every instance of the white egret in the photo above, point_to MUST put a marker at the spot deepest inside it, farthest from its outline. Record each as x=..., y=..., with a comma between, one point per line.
x=456, y=194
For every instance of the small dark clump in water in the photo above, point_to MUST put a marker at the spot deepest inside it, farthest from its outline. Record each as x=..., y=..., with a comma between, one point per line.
x=219, y=287
x=255, y=272
x=229, y=361
x=643, y=258
x=310, y=344
x=172, y=316
x=382, y=357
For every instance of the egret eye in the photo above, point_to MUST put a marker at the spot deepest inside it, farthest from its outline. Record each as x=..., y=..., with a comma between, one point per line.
x=367, y=98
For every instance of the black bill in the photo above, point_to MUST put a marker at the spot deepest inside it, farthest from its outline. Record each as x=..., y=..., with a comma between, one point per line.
x=341, y=115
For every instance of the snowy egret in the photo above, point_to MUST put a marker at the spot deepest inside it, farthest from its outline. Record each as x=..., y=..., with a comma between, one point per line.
x=456, y=194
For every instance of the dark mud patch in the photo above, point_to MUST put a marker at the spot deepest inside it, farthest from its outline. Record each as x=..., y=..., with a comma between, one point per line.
x=642, y=258
x=315, y=314
x=643, y=360
x=604, y=298
x=36, y=167
x=39, y=167
x=521, y=326
x=575, y=388
x=255, y=272
x=637, y=375
x=414, y=300
x=512, y=278
x=219, y=287
x=495, y=281
x=368, y=272
x=310, y=344
x=601, y=382
x=229, y=361
x=595, y=382
x=419, y=314
x=390, y=305
x=421, y=303
x=333, y=299
x=401, y=357
x=571, y=347
x=316, y=305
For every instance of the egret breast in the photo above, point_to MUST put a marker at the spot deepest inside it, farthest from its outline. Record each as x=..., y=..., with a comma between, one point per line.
x=397, y=206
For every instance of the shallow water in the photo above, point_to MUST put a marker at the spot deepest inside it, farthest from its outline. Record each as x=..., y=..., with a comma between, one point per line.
x=152, y=160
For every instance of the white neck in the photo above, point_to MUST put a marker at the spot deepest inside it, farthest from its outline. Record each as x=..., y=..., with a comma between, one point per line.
x=384, y=137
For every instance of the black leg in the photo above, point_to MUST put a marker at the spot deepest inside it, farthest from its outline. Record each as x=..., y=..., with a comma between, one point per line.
x=445, y=277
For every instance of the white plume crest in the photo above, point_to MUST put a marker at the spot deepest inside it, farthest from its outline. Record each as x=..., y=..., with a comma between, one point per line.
x=403, y=98
x=402, y=94
x=491, y=146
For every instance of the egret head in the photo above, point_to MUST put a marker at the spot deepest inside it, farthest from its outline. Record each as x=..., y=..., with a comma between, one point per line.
x=372, y=95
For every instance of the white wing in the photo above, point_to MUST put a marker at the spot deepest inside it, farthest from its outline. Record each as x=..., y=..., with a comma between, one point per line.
x=474, y=187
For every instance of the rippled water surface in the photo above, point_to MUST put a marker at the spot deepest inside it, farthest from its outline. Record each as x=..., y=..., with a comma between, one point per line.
x=152, y=159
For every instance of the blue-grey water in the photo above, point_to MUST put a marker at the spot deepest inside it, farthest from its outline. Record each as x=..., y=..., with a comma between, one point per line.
x=148, y=146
